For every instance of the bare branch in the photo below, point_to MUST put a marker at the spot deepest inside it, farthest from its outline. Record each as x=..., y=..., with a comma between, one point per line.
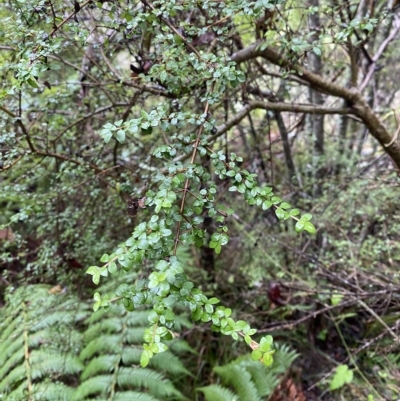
x=351, y=95
x=378, y=54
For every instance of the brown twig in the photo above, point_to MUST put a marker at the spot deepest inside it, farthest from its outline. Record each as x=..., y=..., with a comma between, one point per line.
x=186, y=186
x=57, y=27
x=8, y=166
x=39, y=152
x=173, y=29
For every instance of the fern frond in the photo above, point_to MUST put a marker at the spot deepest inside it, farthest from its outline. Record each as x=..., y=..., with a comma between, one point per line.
x=264, y=380
x=10, y=346
x=44, y=363
x=169, y=363
x=18, y=394
x=151, y=380
x=40, y=344
x=47, y=391
x=96, y=317
x=9, y=327
x=101, y=364
x=240, y=380
x=180, y=346
x=139, y=318
x=12, y=361
x=134, y=335
x=14, y=376
x=283, y=357
x=39, y=352
x=133, y=395
x=95, y=385
x=110, y=325
x=215, y=392
x=101, y=345
x=250, y=379
x=131, y=355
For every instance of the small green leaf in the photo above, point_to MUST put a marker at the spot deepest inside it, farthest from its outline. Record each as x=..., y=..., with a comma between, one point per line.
x=342, y=376
x=213, y=301
x=336, y=299
x=266, y=205
x=105, y=258
x=95, y=272
x=120, y=136
x=309, y=227
x=112, y=268
x=32, y=82
x=267, y=359
x=306, y=217
x=299, y=226
x=145, y=358
x=209, y=308
x=285, y=205
x=256, y=355
x=242, y=188
x=248, y=339
x=280, y=214
x=317, y=50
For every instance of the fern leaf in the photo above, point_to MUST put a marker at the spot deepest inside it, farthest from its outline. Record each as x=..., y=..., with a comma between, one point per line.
x=134, y=335
x=10, y=346
x=133, y=395
x=14, y=359
x=14, y=376
x=110, y=325
x=44, y=363
x=95, y=385
x=215, y=392
x=151, y=380
x=169, y=363
x=101, y=345
x=181, y=346
x=101, y=364
x=47, y=391
x=241, y=381
x=264, y=380
x=131, y=355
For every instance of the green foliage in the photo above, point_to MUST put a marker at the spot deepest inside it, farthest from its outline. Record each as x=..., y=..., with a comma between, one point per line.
x=111, y=354
x=247, y=379
x=190, y=117
x=342, y=376
x=49, y=342
x=39, y=344
x=178, y=196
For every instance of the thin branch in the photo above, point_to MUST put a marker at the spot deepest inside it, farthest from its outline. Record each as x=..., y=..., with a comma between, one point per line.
x=89, y=115
x=316, y=81
x=41, y=152
x=380, y=51
x=274, y=106
x=57, y=27
x=85, y=73
x=380, y=320
x=8, y=166
x=173, y=29
x=185, y=189
x=351, y=95
x=356, y=352
x=313, y=315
